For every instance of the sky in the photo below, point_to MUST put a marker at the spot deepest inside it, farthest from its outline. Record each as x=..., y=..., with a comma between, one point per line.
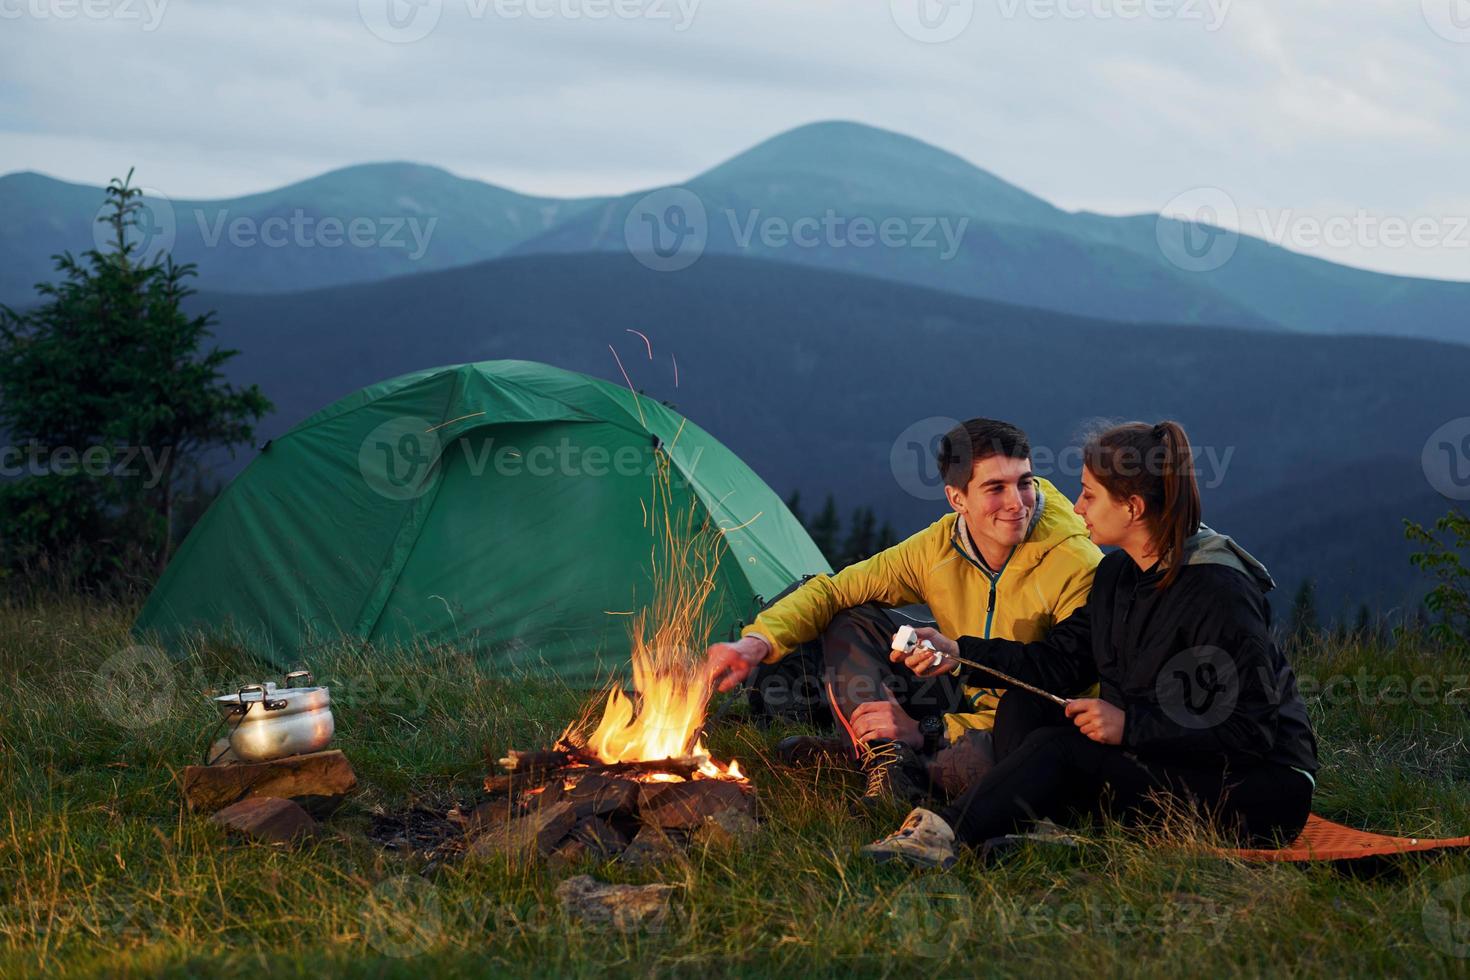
x=1340, y=129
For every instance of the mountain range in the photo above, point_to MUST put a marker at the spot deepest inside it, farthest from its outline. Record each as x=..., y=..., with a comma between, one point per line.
x=829, y=382
x=829, y=364
x=959, y=229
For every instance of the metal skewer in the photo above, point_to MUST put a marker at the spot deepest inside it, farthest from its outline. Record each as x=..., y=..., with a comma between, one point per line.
x=1010, y=681
x=906, y=642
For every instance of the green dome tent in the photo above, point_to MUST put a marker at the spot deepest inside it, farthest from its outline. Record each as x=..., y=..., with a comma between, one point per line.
x=500, y=506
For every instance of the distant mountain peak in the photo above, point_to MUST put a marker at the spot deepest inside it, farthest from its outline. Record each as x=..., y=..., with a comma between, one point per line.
x=875, y=164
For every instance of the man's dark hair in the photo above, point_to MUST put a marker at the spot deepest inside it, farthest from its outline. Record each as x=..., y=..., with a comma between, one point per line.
x=970, y=442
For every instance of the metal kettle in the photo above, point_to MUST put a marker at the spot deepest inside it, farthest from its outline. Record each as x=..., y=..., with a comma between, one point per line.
x=269, y=722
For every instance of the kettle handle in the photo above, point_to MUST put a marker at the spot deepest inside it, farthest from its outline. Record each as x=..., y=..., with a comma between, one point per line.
x=265, y=701
x=303, y=672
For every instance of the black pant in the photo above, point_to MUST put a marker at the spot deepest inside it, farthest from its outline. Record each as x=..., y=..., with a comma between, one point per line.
x=855, y=648
x=1046, y=768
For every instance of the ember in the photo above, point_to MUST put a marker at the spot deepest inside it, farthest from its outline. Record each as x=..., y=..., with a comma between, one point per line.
x=664, y=718
x=642, y=772
x=568, y=804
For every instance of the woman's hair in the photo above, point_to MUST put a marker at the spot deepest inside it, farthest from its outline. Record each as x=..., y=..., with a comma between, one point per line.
x=1156, y=463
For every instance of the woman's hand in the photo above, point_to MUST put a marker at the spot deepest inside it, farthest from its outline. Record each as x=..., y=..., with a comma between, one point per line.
x=1097, y=719
x=921, y=660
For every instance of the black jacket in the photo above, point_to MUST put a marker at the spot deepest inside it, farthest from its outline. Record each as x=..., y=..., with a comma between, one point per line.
x=1193, y=666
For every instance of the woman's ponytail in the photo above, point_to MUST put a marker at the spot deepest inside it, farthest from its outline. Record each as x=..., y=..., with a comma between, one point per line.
x=1155, y=463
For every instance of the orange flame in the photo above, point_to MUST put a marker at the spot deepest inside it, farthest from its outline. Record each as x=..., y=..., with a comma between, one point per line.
x=664, y=718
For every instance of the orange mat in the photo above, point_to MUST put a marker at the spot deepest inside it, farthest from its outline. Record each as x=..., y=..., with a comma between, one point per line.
x=1323, y=840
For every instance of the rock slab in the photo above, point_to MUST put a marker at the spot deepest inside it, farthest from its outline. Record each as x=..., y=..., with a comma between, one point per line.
x=268, y=819
x=318, y=782
x=622, y=907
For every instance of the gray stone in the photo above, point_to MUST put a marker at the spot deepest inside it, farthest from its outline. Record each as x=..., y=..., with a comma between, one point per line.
x=652, y=845
x=268, y=819
x=684, y=806
x=622, y=907
x=731, y=827
x=538, y=832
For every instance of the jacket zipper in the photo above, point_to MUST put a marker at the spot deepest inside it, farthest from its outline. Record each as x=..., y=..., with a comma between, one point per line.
x=993, y=579
x=990, y=610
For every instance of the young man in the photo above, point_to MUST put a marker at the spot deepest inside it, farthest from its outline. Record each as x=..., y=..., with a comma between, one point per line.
x=1010, y=561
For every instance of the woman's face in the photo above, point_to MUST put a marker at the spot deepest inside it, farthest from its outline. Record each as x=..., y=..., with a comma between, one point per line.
x=1108, y=520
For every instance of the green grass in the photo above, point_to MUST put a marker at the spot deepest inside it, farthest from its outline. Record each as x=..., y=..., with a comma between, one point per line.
x=103, y=871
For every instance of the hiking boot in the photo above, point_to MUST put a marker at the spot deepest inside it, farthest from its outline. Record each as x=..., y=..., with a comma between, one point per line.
x=924, y=840
x=809, y=750
x=894, y=773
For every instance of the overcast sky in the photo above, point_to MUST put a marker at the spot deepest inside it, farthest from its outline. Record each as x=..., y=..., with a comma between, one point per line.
x=1343, y=119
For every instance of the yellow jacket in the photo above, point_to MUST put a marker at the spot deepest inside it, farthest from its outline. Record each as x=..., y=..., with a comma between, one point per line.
x=1046, y=577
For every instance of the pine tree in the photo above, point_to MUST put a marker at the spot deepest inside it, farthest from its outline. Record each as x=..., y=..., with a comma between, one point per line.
x=824, y=531
x=793, y=504
x=109, y=360
x=1363, y=627
x=887, y=537
x=1304, y=620
x=860, y=536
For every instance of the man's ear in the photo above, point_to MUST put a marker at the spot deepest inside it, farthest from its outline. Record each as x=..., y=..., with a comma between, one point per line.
x=956, y=498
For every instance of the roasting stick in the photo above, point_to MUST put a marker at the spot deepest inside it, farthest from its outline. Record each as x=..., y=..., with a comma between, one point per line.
x=905, y=640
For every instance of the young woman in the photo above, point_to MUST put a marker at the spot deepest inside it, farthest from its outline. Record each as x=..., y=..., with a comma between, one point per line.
x=1198, y=707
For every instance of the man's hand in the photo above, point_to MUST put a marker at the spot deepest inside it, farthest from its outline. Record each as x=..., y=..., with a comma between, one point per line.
x=1097, y=719
x=885, y=719
x=921, y=659
x=728, y=664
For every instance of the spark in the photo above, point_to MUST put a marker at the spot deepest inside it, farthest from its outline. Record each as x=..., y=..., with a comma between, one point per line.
x=452, y=421
x=646, y=342
x=629, y=380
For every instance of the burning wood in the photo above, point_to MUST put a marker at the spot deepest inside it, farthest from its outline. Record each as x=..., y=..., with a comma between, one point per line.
x=613, y=781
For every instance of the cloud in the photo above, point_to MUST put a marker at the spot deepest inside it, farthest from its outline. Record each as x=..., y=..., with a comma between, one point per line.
x=1301, y=104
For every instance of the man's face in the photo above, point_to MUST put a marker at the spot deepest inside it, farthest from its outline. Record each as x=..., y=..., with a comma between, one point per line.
x=998, y=503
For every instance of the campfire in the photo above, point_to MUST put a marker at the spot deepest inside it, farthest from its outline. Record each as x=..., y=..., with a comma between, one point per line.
x=640, y=778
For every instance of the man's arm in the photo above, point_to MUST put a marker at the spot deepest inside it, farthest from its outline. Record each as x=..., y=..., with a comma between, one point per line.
x=889, y=577
x=892, y=577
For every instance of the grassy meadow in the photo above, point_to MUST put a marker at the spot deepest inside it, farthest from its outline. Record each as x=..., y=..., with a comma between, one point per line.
x=102, y=870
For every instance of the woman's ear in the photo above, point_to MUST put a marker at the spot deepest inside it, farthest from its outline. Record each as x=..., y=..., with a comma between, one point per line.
x=1136, y=508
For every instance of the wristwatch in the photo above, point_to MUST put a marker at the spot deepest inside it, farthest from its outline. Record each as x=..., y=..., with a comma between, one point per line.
x=932, y=728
